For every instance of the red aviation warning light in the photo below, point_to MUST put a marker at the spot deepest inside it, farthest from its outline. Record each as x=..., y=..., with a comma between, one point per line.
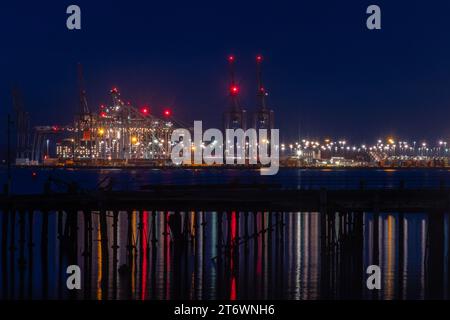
x=145, y=110
x=234, y=90
x=167, y=112
x=114, y=90
x=231, y=58
x=259, y=58
x=103, y=114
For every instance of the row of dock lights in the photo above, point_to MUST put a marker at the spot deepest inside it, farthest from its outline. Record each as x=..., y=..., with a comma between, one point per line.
x=389, y=146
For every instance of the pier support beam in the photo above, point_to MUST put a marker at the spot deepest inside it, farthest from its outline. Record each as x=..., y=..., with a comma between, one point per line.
x=435, y=259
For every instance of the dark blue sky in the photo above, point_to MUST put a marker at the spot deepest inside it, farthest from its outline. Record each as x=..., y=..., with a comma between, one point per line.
x=326, y=73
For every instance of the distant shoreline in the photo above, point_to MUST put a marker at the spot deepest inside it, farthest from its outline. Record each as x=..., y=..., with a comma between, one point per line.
x=222, y=167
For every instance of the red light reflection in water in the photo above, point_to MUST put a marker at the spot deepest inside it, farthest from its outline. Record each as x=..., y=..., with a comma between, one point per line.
x=233, y=288
x=144, y=253
x=233, y=244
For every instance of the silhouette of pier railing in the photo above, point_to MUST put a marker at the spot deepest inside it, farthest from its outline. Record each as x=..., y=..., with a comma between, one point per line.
x=238, y=197
x=310, y=180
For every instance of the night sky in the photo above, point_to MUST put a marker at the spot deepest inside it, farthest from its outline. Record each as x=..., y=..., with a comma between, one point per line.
x=327, y=74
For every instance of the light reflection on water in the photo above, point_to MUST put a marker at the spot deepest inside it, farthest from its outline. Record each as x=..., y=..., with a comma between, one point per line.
x=233, y=255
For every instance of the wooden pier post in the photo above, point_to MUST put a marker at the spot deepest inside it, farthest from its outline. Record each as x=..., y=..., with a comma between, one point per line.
x=5, y=273
x=256, y=234
x=104, y=253
x=115, y=248
x=246, y=284
x=435, y=261
x=87, y=252
x=324, y=254
x=357, y=252
x=204, y=241
x=282, y=254
x=130, y=245
x=44, y=253
x=219, y=259
x=154, y=257
x=448, y=256
x=12, y=249
x=21, y=262
x=30, y=252
x=141, y=237
x=401, y=254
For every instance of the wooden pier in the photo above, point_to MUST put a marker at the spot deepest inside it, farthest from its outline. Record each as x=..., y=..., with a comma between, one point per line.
x=237, y=197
